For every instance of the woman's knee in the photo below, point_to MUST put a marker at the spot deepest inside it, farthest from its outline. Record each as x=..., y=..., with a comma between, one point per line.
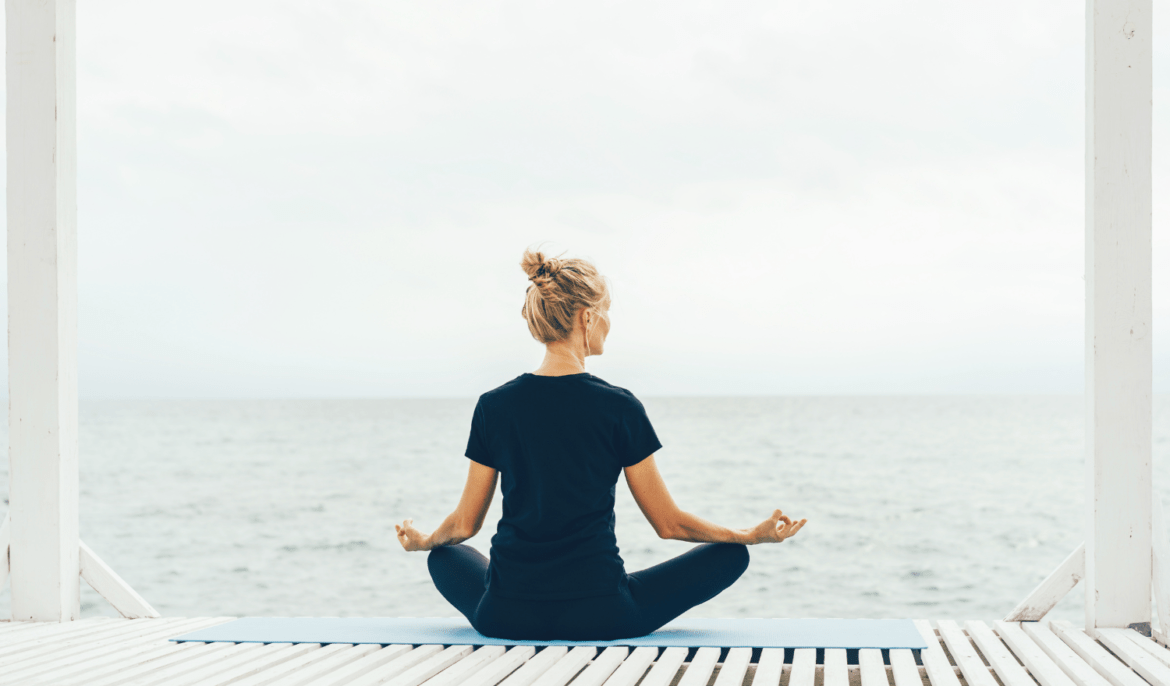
x=437, y=558
x=450, y=557
x=734, y=558
x=459, y=574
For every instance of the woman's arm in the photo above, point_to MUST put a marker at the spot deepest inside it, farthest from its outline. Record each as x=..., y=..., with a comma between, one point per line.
x=464, y=522
x=669, y=521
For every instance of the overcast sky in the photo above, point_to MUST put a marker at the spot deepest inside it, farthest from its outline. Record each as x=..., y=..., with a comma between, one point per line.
x=306, y=199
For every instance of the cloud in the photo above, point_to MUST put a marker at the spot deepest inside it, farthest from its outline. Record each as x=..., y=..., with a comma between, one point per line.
x=294, y=198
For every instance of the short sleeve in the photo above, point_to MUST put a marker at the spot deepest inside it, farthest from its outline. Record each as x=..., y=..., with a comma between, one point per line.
x=635, y=440
x=477, y=442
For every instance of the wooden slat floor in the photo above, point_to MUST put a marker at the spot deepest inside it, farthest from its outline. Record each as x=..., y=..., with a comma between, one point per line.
x=119, y=652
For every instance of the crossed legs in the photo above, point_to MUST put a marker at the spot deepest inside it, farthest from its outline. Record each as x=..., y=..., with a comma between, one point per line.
x=654, y=596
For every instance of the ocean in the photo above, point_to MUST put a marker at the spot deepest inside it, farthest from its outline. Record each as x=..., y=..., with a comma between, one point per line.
x=935, y=507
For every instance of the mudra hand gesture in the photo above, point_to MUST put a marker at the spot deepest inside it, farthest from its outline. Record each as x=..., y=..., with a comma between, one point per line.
x=774, y=529
x=411, y=538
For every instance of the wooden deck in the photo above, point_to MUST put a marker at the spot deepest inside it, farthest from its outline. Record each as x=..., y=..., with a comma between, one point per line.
x=120, y=652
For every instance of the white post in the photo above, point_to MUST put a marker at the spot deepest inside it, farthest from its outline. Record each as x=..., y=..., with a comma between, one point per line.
x=42, y=309
x=1118, y=360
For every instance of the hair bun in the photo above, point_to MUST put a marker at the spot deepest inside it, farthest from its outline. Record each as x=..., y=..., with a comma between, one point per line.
x=560, y=288
x=540, y=269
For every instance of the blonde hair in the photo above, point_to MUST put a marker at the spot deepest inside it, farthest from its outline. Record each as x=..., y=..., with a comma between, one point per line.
x=560, y=288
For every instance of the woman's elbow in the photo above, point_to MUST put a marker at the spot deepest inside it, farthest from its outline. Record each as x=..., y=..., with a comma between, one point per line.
x=464, y=530
x=667, y=531
x=476, y=525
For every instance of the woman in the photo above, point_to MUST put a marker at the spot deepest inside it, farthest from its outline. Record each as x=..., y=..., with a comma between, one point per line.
x=561, y=436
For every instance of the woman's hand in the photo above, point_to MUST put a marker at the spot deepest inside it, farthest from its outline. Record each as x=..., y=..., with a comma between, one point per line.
x=774, y=529
x=411, y=538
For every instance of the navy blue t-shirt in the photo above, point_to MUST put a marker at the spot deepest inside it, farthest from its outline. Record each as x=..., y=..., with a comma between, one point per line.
x=559, y=443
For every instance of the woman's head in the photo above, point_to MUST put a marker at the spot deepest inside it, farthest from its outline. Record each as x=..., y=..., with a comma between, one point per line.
x=564, y=296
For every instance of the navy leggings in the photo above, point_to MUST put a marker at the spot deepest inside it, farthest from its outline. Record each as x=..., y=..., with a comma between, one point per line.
x=653, y=597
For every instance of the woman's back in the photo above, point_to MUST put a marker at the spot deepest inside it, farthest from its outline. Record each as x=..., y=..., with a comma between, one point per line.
x=559, y=443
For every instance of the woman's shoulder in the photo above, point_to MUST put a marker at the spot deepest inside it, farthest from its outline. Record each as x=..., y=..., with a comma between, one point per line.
x=502, y=391
x=617, y=395
x=593, y=385
x=606, y=387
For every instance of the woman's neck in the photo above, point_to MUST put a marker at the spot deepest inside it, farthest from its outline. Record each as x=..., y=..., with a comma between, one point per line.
x=561, y=360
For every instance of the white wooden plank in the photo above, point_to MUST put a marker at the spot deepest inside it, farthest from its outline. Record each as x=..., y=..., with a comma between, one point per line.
x=143, y=633
x=1160, y=545
x=538, y=665
x=836, y=670
x=196, y=652
x=1108, y=666
x=228, y=661
x=424, y=670
x=873, y=670
x=199, y=623
x=9, y=629
x=904, y=667
x=634, y=666
x=666, y=667
x=259, y=664
x=140, y=633
x=365, y=665
x=267, y=654
x=7, y=625
x=497, y=670
x=1006, y=666
x=1050, y=591
x=456, y=673
x=5, y=538
x=293, y=666
x=770, y=667
x=157, y=652
x=734, y=667
x=1039, y=665
x=1063, y=656
x=47, y=648
x=698, y=672
x=938, y=667
x=969, y=662
x=1118, y=299
x=54, y=633
x=73, y=636
x=602, y=667
x=567, y=667
x=1151, y=647
x=157, y=656
x=12, y=628
x=112, y=587
x=59, y=667
x=328, y=664
x=1150, y=668
x=42, y=309
x=804, y=667
x=33, y=631
x=1159, y=637
x=164, y=676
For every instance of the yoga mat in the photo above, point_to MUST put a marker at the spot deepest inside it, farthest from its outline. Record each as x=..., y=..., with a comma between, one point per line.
x=688, y=633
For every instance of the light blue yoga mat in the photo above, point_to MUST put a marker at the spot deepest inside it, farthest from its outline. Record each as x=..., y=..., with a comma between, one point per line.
x=688, y=633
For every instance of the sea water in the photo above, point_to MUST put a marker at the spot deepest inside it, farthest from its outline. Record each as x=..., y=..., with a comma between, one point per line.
x=937, y=507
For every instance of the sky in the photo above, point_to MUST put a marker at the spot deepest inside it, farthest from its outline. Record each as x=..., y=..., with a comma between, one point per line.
x=282, y=198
